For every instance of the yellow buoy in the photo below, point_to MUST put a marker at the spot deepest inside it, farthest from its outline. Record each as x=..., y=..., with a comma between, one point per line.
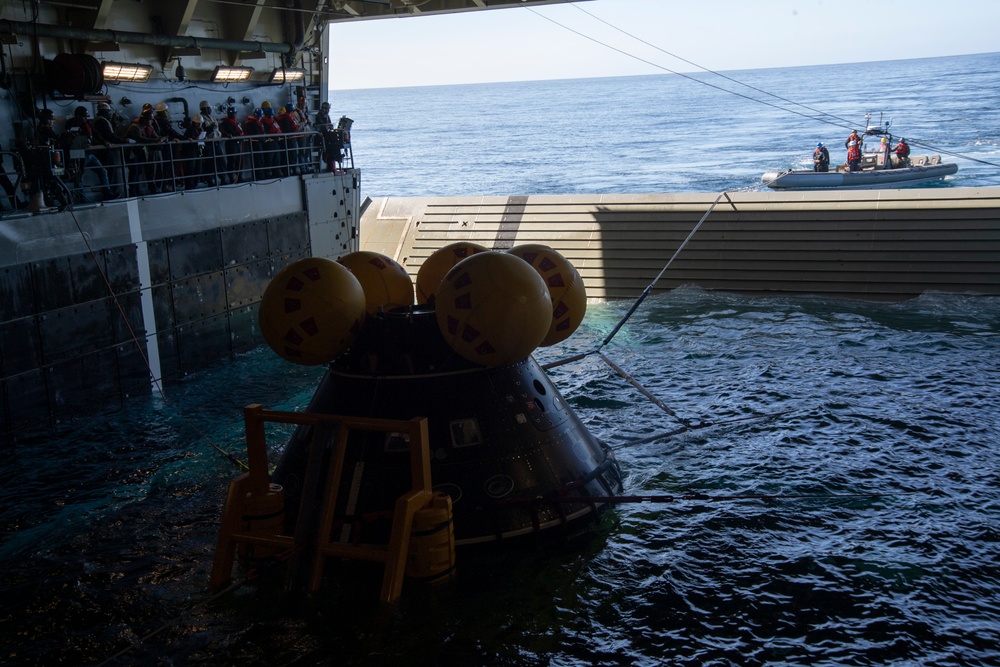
x=385, y=282
x=440, y=262
x=493, y=308
x=311, y=311
x=569, y=295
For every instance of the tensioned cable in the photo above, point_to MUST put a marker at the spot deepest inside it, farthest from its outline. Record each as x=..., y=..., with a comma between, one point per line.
x=841, y=122
x=681, y=74
x=719, y=74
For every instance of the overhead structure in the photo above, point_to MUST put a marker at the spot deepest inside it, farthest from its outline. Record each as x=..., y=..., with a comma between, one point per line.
x=208, y=33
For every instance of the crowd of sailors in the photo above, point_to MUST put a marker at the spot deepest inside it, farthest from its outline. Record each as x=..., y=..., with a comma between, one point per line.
x=853, y=144
x=153, y=154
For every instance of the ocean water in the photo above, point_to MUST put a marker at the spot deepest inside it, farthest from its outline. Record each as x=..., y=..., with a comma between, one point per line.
x=667, y=133
x=859, y=524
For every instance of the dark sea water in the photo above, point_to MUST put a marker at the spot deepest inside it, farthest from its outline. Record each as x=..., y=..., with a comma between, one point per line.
x=873, y=537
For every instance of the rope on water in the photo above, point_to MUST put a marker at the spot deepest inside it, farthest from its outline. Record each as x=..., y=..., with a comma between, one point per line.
x=684, y=497
x=691, y=426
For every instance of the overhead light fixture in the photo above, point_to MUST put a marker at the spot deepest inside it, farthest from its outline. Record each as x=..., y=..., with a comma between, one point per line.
x=231, y=74
x=127, y=72
x=287, y=75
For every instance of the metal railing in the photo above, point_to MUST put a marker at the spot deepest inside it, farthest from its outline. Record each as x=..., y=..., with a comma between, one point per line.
x=100, y=173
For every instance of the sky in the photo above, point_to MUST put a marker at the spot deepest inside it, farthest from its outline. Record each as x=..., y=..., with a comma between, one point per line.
x=522, y=44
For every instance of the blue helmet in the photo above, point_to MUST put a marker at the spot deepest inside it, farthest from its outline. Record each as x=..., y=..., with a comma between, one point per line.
x=258, y=112
x=819, y=145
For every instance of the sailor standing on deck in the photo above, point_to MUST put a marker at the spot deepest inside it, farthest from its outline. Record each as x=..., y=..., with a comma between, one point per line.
x=821, y=158
x=272, y=145
x=853, y=156
x=902, y=153
x=232, y=131
x=854, y=137
x=106, y=135
x=214, y=163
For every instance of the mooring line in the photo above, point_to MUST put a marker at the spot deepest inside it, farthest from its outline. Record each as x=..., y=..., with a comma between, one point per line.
x=649, y=288
x=684, y=497
x=686, y=425
x=642, y=390
x=646, y=292
x=695, y=427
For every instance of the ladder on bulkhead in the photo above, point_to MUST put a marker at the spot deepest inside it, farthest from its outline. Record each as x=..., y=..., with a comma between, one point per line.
x=252, y=499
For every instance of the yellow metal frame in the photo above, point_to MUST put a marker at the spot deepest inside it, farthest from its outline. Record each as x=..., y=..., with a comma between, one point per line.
x=257, y=483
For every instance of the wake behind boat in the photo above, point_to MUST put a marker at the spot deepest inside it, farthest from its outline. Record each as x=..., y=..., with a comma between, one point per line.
x=879, y=167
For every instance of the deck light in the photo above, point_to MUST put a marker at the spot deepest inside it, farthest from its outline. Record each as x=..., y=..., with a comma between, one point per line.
x=126, y=72
x=287, y=75
x=231, y=74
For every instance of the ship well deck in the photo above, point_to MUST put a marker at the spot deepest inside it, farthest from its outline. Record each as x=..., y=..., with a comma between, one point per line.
x=885, y=245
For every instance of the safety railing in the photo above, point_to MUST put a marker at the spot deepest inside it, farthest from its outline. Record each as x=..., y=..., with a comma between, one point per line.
x=101, y=173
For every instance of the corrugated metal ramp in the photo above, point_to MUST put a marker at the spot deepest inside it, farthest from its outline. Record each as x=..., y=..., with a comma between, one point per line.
x=882, y=245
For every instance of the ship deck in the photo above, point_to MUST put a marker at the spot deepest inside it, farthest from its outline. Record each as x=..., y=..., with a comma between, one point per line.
x=884, y=245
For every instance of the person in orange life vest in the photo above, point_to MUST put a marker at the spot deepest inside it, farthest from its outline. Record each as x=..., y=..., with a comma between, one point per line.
x=903, y=153
x=233, y=133
x=195, y=167
x=821, y=158
x=272, y=145
x=289, y=125
x=854, y=137
x=142, y=133
x=253, y=128
x=169, y=155
x=853, y=156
